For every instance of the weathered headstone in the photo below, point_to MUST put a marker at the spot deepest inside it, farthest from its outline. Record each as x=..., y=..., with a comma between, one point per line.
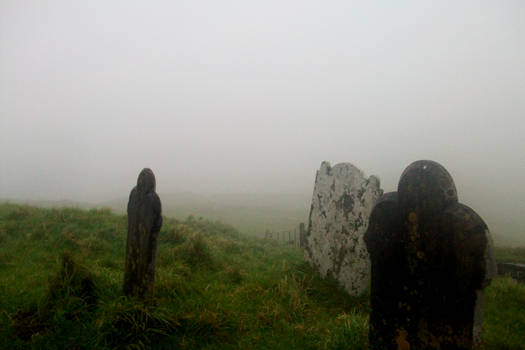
x=431, y=260
x=144, y=223
x=341, y=203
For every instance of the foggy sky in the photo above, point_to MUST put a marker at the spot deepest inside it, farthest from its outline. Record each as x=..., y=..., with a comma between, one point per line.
x=251, y=96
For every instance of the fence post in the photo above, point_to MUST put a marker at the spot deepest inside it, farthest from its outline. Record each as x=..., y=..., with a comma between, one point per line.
x=301, y=235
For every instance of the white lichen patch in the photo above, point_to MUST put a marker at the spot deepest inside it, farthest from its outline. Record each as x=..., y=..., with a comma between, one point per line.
x=341, y=204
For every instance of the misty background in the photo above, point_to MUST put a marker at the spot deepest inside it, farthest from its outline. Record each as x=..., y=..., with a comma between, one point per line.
x=237, y=103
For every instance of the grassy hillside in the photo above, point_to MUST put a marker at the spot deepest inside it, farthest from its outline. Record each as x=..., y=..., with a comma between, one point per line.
x=255, y=213
x=510, y=254
x=251, y=214
x=61, y=274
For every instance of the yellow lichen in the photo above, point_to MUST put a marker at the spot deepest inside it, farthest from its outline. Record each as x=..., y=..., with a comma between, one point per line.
x=402, y=343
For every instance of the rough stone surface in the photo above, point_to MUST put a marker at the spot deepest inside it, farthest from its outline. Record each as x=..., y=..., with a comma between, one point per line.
x=341, y=203
x=144, y=223
x=431, y=259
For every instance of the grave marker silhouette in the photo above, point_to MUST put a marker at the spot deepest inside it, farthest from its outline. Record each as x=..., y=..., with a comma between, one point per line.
x=431, y=259
x=144, y=223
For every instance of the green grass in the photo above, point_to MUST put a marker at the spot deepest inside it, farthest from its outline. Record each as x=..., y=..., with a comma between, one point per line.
x=251, y=221
x=61, y=273
x=504, y=315
x=250, y=214
x=510, y=254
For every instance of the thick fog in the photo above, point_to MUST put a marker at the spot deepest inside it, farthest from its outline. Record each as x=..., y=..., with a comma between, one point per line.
x=251, y=96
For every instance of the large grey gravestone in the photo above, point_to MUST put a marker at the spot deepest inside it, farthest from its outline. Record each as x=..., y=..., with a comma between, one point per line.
x=431, y=260
x=341, y=203
x=144, y=223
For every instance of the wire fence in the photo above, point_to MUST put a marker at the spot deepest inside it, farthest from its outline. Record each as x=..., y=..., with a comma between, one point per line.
x=293, y=237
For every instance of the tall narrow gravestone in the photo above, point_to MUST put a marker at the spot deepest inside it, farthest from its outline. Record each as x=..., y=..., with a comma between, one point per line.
x=431, y=260
x=341, y=203
x=144, y=223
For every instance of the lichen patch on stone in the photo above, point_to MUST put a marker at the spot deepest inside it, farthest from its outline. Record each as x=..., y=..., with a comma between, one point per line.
x=341, y=203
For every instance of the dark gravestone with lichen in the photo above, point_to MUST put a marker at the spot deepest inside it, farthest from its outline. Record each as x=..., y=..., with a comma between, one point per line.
x=144, y=223
x=431, y=260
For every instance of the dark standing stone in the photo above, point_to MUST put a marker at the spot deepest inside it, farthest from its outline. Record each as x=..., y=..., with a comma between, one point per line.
x=387, y=267
x=144, y=223
x=431, y=260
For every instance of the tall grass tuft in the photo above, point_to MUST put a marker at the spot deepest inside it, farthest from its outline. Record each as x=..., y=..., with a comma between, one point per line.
x=173, y=235
x=72, y=281
x=352, y=328
x=197, y=254
x=65, y=308
x=132, y=324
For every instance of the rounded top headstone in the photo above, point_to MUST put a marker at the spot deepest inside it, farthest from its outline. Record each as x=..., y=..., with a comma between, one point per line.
x=426, y=188
x=146, y=181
